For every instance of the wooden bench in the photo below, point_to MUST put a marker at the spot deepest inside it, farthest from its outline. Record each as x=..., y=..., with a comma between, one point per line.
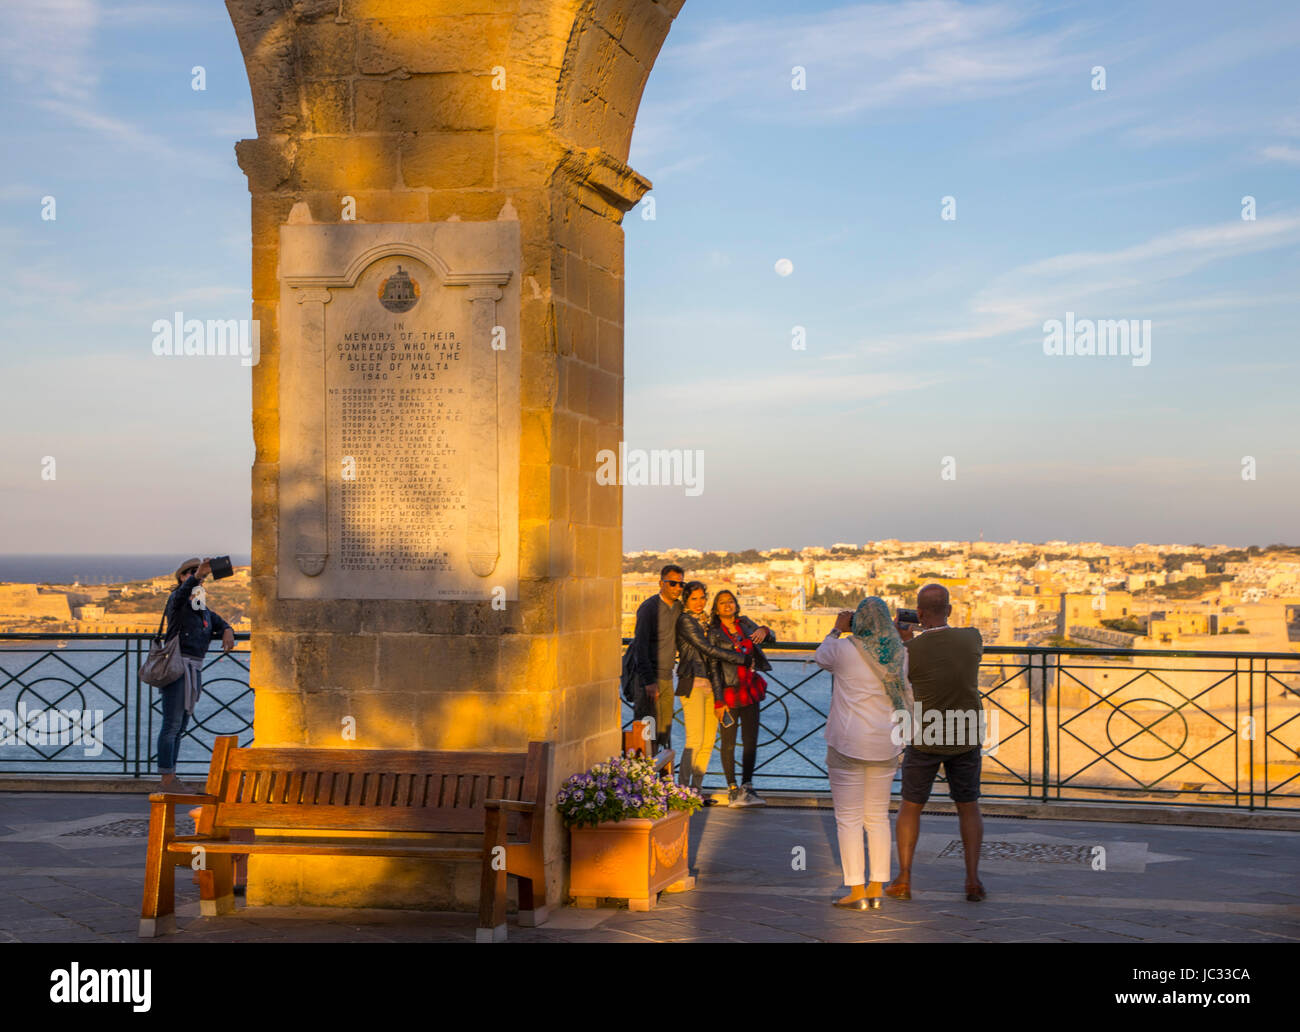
x=637, y=743
x=501, y=796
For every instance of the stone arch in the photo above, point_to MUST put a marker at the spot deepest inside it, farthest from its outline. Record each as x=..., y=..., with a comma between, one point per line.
x=392, y=103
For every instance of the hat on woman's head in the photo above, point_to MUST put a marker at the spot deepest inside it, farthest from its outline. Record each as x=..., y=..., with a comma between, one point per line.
x=188, y=564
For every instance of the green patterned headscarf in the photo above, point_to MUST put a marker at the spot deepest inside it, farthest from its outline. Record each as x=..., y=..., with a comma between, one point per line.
x=879, y=644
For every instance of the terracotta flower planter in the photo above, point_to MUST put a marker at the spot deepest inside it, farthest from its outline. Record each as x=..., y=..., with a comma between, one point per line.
x=631, y=859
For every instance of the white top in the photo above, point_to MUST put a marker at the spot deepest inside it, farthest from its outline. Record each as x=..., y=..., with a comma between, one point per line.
x=860, y=723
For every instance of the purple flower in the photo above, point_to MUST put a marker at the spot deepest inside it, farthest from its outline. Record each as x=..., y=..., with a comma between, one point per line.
x=600, y=797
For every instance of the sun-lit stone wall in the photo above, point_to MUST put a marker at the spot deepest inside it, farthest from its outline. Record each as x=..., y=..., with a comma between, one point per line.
x=426, y=111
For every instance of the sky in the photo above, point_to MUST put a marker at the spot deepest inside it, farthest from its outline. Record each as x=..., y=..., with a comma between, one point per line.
x=921, y=405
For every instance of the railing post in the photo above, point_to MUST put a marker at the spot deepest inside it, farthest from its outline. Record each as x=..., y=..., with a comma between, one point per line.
x=126, y=705
x=1255, y=734
x=1047, y=743
x=136, y=722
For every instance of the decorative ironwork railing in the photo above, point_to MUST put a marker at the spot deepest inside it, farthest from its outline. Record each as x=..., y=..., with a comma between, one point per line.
x=1079, y=724
x=76, y=705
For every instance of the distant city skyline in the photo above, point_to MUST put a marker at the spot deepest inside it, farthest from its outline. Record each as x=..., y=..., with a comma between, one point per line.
x=921, y=351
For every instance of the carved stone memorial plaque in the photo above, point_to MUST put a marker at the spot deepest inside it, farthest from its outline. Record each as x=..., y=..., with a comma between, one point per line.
x=399, y=410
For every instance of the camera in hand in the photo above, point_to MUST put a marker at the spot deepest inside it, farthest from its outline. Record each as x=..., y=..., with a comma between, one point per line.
x=909, y=616
x=221, y=567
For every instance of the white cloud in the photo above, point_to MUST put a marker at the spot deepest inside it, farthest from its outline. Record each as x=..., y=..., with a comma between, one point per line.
x=1281, y=152
x=47, y=47
x=871, y=56
x=1025, y=296
x=49, y=50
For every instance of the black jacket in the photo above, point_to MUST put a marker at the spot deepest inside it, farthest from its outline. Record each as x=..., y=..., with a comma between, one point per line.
x=696, y=654
x=197, y=627
x=645, y=643
x=724, y=674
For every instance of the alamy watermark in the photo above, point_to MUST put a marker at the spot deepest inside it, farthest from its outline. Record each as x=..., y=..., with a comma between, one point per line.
x=1129, y=337
x=656, y=467
x=38, y=728
x=181, y=336
x=968, y=727
x=74, y=984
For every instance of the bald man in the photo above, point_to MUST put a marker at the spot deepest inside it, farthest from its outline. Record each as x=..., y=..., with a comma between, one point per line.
x=943, y=668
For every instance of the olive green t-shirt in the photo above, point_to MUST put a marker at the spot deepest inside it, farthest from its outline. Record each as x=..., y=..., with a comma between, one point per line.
x=943, y=668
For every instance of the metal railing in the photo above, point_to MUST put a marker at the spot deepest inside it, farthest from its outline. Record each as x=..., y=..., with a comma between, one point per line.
x=1080, y=724
x=48, y=683
x=1064, y=724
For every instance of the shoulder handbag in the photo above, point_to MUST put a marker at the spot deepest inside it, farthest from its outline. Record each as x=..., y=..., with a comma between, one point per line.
x=165, y=662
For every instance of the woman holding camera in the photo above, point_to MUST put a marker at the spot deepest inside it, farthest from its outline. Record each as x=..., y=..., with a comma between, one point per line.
x=697, y=655
x=187, y=615
x=737, y=693
x=868, y=686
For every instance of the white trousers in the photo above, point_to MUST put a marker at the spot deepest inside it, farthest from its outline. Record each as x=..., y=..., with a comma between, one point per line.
x=861, y=797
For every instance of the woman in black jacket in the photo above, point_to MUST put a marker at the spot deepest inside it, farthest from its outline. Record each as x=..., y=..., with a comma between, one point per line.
x=189, y=616
x=696, y=658
x=738, y=691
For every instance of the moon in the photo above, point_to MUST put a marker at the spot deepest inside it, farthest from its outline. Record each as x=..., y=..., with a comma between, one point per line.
x=784, y=267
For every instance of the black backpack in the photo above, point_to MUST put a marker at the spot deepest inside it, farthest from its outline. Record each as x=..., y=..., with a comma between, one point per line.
x=627, y=682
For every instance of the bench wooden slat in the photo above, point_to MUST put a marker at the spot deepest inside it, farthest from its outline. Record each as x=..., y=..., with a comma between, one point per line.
x=364, y=760
x=349, y=818
x=424, y=848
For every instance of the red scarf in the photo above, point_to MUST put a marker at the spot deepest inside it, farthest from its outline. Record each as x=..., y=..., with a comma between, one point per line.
x=751, y=687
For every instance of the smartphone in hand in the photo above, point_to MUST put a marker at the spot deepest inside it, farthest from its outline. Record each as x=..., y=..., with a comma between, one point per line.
x=727, y=719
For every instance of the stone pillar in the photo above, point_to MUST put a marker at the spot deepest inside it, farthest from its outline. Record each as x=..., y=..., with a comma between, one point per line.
x=407, y=119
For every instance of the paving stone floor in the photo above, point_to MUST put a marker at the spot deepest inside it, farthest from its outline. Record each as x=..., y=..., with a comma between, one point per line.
x=763, y=876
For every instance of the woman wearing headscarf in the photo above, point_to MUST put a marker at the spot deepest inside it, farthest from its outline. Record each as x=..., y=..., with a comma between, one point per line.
x=868, y=686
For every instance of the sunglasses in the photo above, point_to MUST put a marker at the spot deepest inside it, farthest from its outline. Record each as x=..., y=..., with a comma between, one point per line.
x=674, y=583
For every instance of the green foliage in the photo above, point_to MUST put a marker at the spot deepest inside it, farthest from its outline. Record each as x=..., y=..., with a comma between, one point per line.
x=1192, y=587
x=835, y=598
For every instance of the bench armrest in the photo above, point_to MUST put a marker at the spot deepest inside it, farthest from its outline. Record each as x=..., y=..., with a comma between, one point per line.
x=519, y=806
x=179, y=799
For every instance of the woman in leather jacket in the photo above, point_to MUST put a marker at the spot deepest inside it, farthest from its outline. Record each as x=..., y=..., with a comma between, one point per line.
x=696, y=658
x=187, y=615
x=738, y=691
